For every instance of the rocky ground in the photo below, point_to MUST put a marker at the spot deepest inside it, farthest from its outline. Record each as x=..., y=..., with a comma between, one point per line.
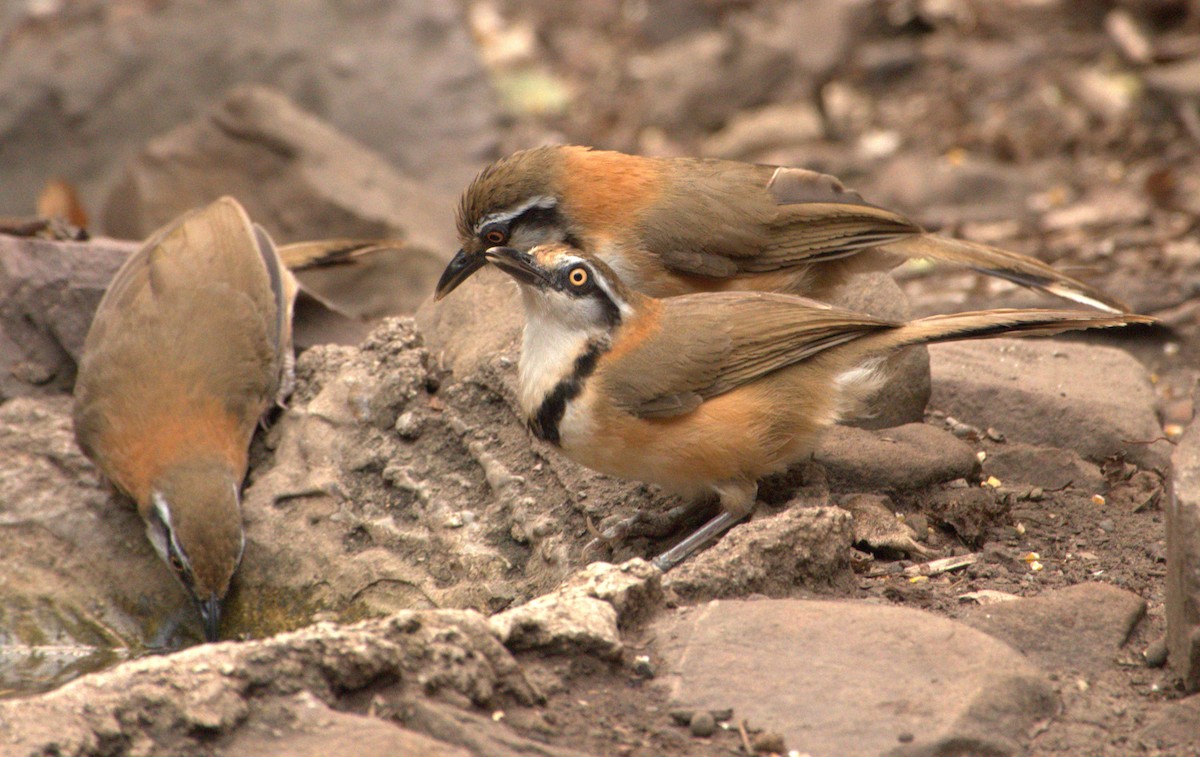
x=992, y=576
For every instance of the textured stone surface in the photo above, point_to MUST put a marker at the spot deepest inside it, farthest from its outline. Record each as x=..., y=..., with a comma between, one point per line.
x=1079, y=628
x=1183, y=561
x=802, y=548
x=583, y=615
x=48, y=293
x=1097, y=401
x=847, y=678
x=907, y=457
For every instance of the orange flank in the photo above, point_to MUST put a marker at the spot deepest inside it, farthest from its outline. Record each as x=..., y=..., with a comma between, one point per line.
x=740, y=435
x=145, y=445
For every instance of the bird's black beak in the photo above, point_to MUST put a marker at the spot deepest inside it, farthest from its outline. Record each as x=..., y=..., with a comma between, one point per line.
x=210, y=613
x=520, y=265
x=460, y=268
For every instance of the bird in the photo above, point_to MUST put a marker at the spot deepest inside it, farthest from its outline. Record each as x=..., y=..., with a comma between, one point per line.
x=706, y=393
x=670, y=226
x=189, y=348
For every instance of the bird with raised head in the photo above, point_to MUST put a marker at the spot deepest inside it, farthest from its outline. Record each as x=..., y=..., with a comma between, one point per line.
x=670, y=226
x=190, y=346
x=707, y=393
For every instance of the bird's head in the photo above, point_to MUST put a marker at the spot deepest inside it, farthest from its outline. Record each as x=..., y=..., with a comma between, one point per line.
x=575, y=289
x=195, y=524
x=515, y=202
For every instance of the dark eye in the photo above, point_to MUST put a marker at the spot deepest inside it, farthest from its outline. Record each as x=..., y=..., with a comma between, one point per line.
x=578, y=276
x=495, y=236
x=176, y=563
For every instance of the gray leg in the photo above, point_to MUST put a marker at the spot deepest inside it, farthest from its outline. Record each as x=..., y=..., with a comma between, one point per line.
x=737, y=502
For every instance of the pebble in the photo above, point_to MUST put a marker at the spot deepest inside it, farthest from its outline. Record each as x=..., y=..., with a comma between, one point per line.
x=408, y=426
x=769, y=742
x=703, y=724
x=642, y=667
x=1156, y=654
x=906, y=737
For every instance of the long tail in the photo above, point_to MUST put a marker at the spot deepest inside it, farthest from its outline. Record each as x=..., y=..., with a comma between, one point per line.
x=301, y=256
x=1011, y=266
x=992, y=323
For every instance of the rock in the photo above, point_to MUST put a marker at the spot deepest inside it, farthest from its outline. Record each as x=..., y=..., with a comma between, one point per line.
x=880, y=671
x=771, y=127
x=291, y=683
x=477, y=733
x=1079, y=628
x=877, y=527
x=691, y=83
x=583, y=615
x=48, y=293
x=1183, y=561
x=800, y=548
x=1095, y=400
x=970, y=511
x=306, y=727
x=1050, y=468
x=702, y=725
x=903, y=396
x=84, y=90
x=302, y=180
x=82, y=585
x=478, y=323
x=912, y=456
x=1171, y=728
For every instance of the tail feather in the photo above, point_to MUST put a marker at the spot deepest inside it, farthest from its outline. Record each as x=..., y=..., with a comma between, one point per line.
x=301, y=256
x=1011, y=266
x=993, y=323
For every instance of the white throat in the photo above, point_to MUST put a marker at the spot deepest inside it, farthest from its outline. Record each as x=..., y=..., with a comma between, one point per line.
x=549, y=350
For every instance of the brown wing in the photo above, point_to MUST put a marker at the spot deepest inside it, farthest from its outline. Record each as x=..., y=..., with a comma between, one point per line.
x=198, y=312
x=706, y=345
x=758, y=219
x=754, y=219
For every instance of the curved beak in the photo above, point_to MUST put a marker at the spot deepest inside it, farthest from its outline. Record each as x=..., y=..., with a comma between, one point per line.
x=210, y=613
x=459, y=269
x=520, y=265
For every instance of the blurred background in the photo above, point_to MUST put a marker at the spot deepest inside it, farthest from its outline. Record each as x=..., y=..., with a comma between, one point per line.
x=1062, y=128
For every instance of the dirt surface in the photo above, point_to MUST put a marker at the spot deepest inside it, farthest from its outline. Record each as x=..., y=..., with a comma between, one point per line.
x=1068, y=130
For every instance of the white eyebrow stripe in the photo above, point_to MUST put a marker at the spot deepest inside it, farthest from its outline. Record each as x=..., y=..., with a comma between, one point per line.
x=541, y=201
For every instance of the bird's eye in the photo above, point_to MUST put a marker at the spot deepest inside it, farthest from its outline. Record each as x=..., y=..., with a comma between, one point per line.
x=176, y=564
x=496, y=237
x=578, y=276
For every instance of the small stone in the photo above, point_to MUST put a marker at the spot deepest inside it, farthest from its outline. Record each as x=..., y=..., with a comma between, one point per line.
x=703, y=724
x=409, y=426
x=1107, y=525
x=1036, y=494
x=906, y=737
x=769, y=742
x=642, y=668
x=1156, y=654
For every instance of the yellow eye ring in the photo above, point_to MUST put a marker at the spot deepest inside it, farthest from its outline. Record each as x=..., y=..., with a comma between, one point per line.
x=495, y=236
x=578, y=277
